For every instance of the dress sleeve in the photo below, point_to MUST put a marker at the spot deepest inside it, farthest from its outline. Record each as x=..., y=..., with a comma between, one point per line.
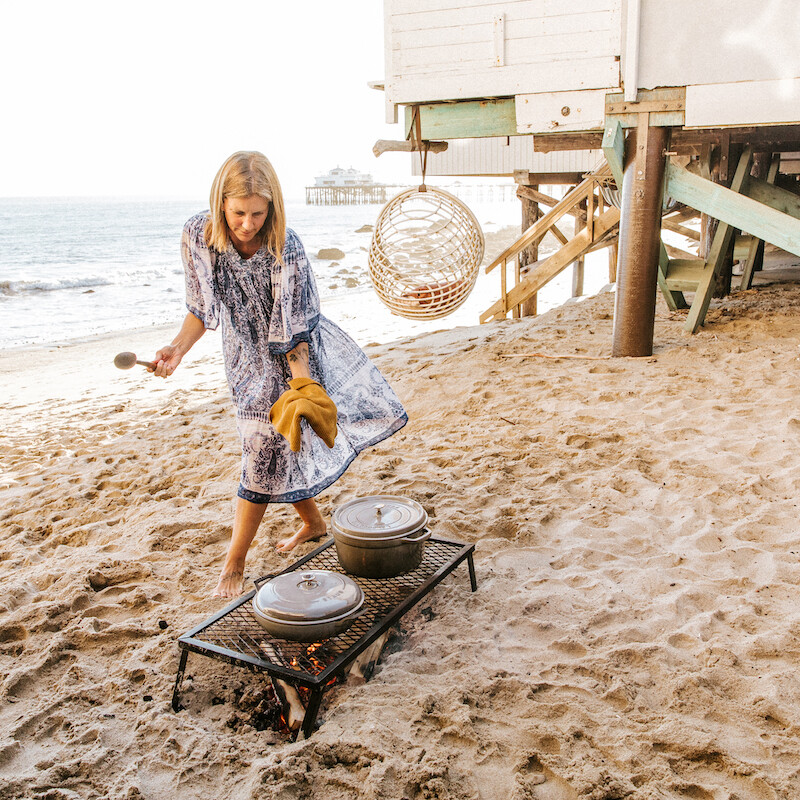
x=198, y=265
x=295, y=310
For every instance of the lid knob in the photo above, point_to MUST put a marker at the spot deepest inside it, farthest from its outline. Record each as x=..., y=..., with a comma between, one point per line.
x=307, y=583
x=378, y=507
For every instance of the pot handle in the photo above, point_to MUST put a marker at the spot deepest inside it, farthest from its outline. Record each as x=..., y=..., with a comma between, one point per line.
x=263, y=579
x=424, y=536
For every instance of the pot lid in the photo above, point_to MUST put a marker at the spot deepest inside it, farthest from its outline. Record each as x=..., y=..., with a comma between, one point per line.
x=308, y=595
x=380, y=516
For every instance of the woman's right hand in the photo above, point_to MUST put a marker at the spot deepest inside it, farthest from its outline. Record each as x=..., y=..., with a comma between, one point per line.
x=166, y=361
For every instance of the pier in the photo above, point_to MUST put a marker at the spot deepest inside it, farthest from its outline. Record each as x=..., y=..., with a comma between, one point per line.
x=347, y=195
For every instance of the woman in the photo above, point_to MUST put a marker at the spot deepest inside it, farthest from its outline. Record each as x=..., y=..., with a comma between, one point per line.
x=248, y=272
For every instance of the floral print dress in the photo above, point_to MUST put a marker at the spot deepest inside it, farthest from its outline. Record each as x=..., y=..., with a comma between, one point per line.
x=265, y=311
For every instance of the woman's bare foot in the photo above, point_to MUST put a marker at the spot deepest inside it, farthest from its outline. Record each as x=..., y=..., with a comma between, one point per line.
x=230, y=584
x=307, y=533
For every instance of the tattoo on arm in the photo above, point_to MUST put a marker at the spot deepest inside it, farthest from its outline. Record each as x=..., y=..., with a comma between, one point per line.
x=298, y=357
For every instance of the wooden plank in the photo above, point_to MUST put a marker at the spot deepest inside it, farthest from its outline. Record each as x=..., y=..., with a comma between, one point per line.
x=685, y=274
x=546, y=270
x=773, y=196
x=474, y=119
x=553, y=178
x=553, y=142
x=673, y=298
x=719, y=245
x=389, y=146
x=536, y=196
x=527, y=19
x=467, y=82
x=614, y=149
x=676, y=227
x=738, y=210
x=676, y=252
x=755, y=254
x=411, y=12
x=648, y=106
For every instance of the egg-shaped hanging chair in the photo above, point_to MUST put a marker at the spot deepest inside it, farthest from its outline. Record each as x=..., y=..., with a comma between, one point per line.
x=425, y=254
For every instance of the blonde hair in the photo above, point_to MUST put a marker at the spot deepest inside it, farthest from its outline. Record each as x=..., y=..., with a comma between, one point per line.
x=247, y=173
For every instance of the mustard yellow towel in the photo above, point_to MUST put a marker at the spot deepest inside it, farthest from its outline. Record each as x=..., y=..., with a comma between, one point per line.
x=305, y=398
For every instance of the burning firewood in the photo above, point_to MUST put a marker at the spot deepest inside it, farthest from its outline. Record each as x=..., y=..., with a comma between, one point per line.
x=294, y=701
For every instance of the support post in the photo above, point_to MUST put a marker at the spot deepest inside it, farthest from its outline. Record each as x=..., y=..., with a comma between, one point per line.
x=639, y=240
x=530, y=255
x=578, y=266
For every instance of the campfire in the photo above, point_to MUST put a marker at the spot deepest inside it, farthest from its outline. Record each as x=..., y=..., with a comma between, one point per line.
x=301, y=671
x=294, y=700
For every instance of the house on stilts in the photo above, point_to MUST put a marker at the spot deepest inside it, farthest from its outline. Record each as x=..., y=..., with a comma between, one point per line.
x=654, y=112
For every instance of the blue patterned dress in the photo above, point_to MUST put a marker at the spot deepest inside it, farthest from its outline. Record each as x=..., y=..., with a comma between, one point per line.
x=265, y=311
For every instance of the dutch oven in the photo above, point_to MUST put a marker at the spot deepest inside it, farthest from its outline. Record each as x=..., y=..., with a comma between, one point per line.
x=380, y=536
x=308, y=605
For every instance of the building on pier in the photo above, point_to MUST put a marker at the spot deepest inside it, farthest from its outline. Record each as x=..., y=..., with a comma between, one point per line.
x=345, y=187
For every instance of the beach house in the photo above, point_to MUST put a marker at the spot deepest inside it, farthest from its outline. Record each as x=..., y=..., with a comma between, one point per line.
x=695, y=107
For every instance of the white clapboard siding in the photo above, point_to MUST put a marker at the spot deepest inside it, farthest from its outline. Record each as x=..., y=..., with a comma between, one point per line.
x=682, y=43
x=498, y=156
x=460, y=55
x=447, y=50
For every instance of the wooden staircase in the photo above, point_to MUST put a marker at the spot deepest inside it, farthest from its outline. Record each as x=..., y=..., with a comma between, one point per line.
x=601, y=224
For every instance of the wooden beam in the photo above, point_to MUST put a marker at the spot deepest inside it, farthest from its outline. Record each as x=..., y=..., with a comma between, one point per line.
x=676, y=252
x=685, y=274
x=674, y=298
x=721, y=242
x=388, y=146
x=761, y=219
x=773, y=196
x=755, y=254
x=552, y=142
x=675, y=227
x=472, y=119
x=536, y=196
x=614, y=149
x=524, y=177
x=775, y=138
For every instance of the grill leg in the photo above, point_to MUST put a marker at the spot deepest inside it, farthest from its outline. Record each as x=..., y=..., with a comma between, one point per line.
x=176, y=704
x=472, y=580
x=311, y=712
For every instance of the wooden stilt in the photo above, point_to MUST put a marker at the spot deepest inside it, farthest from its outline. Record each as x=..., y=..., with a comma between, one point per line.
x=530, y=255
x=578, y=268
x=640, y=240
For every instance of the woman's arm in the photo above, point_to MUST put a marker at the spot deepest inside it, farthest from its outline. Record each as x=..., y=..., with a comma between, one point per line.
x=298, y=361
x=168, y=358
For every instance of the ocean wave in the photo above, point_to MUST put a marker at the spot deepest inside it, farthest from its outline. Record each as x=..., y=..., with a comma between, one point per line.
x=9, y=287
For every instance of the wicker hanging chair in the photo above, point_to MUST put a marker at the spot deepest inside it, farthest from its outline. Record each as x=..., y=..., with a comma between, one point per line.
x=426, y=251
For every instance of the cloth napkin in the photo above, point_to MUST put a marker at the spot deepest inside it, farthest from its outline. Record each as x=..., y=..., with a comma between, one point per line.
x=305, y=398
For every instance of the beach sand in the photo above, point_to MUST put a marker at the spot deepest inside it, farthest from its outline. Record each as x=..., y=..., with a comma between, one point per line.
x=636, y=628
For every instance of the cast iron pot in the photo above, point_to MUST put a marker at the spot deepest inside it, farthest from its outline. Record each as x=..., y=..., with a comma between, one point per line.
x=380, y=536
x=308, y=605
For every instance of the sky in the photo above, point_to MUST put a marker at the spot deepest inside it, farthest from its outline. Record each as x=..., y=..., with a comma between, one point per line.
x=149, y=98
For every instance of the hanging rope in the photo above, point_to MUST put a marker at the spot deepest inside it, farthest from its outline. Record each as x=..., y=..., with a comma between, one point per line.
x=419, y=145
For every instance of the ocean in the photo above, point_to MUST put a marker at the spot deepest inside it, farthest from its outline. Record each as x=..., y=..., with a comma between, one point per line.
x=73, y=268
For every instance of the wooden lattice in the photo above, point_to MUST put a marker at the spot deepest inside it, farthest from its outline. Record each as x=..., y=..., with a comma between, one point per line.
x=425, y=254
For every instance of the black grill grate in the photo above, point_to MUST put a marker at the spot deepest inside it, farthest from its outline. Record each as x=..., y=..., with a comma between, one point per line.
x=234, y=635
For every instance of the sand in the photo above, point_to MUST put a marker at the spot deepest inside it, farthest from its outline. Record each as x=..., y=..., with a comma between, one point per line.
x=636, y=629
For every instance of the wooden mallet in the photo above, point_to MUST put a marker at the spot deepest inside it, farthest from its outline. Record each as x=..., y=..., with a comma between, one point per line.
x=129, y=360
